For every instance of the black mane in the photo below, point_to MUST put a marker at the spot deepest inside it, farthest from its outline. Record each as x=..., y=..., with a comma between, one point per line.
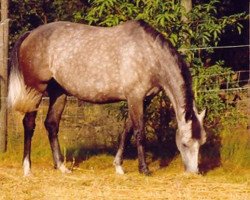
x=187, y=87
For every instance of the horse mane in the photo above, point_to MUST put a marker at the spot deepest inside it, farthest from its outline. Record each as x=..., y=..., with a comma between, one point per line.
x=185, y=73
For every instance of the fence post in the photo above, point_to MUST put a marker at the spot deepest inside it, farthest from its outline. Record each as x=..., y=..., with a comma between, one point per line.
x=4, y=33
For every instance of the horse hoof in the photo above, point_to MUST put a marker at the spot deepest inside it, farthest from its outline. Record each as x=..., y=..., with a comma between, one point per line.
x=119, y=170
x=145, y=172
x=27, y=174
x=64, y=169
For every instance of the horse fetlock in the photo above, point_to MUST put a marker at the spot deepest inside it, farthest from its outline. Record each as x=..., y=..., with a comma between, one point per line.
x=119, y=170
x=27, y=173
x=144, y=170
x=64, y=169
x=26, y=167
x=117, y=161
x=191, y=169
x=118, y=164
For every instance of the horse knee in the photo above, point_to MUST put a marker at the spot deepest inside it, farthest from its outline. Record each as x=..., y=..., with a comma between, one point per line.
x=52, y=126
x=140, y=137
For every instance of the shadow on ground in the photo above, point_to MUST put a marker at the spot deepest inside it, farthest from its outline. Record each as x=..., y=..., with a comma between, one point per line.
x=210, y=153
x=163, y=149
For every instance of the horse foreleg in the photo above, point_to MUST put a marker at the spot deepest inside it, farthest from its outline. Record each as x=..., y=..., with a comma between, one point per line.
x=29, y=127
x=56, y=107
x=125, y=137
x=135, y=107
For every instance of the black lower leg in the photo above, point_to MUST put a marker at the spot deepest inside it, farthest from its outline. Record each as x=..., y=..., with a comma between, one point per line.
x=29, y=127
x=52, y=128
x=56, y=106
x=140, y=142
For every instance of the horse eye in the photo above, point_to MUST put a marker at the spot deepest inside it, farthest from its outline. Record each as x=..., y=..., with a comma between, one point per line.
x=184, y=145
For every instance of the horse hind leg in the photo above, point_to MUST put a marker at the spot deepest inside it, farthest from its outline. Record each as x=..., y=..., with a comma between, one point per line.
x=29, y=127
x=125, y=137
x=56, y=107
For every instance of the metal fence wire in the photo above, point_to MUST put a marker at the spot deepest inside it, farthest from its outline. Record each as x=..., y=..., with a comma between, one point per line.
x=230, y=81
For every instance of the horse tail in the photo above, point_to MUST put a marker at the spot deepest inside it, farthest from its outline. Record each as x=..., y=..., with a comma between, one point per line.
x=20, y=97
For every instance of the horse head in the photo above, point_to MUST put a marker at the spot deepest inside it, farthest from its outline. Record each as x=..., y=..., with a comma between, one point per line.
x=190, y=136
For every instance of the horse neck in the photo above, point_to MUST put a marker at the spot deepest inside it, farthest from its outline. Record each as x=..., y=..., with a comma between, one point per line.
x=177, y=98
x=176, y=81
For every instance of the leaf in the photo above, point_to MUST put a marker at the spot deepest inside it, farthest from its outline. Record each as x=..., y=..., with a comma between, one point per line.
x=239, y=28
x=173, y=38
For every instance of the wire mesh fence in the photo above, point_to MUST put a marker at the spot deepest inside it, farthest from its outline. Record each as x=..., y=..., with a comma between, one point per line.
x=81, y=124
x=228, y=81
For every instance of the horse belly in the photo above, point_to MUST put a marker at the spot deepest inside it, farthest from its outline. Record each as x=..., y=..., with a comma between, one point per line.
x=96, y=88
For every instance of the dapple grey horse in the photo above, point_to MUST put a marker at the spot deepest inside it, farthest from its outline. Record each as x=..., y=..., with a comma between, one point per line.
x=129, y=62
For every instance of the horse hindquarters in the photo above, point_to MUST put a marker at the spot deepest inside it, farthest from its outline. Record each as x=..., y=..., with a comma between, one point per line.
x=21, y=97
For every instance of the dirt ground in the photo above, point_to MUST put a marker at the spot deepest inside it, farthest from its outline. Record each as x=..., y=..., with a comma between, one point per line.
x=95, y=179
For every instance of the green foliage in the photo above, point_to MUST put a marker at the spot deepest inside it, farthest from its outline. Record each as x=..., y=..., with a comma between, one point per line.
x=203, y=28
x=208, y=86
x=27, y=15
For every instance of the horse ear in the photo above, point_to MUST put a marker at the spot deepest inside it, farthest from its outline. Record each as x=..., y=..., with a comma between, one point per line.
x=203, y=138
x=202, y=114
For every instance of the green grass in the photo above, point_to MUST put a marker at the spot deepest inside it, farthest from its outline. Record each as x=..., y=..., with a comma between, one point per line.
x=236, y=147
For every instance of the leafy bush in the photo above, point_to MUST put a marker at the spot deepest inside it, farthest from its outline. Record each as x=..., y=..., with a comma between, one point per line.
x=209, y=85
